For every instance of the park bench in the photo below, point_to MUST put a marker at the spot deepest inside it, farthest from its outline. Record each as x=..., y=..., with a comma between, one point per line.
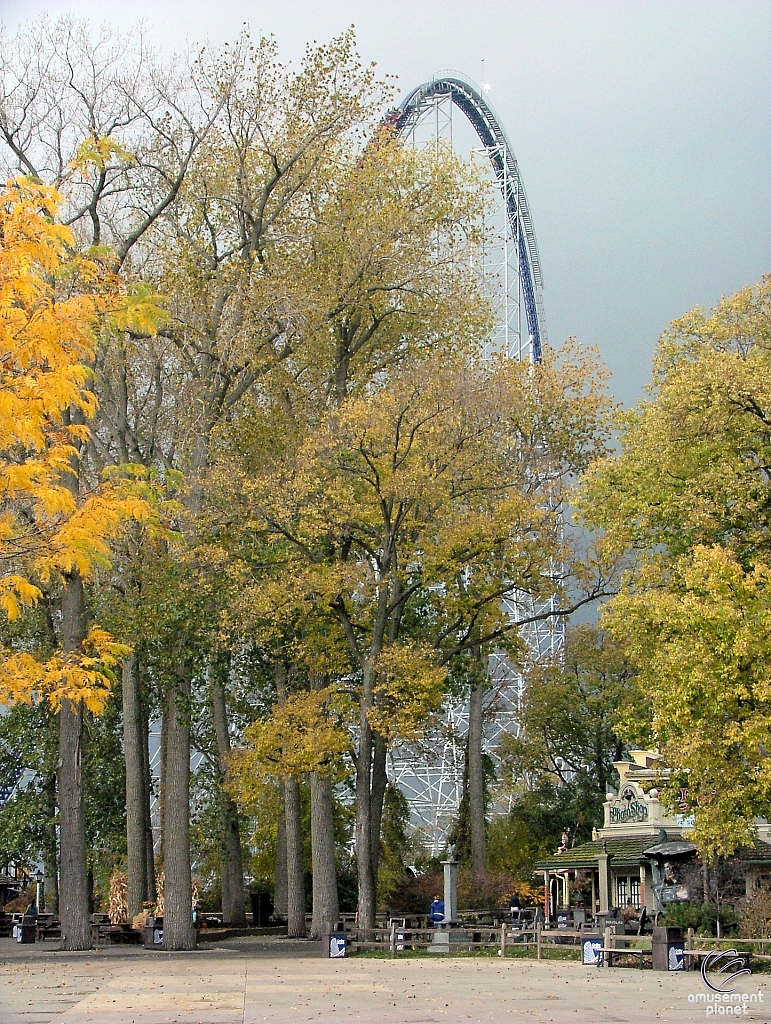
x=606, y=953
x=48, y=927
x=618, y=945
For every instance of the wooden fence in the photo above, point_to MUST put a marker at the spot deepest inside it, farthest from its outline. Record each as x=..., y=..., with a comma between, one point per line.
x=397, y=938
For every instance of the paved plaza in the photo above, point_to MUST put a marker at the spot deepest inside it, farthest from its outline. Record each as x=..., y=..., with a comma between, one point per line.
x=245, y=981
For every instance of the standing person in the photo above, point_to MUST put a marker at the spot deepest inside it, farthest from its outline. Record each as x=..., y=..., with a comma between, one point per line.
x=436, y=914
x=515, y=906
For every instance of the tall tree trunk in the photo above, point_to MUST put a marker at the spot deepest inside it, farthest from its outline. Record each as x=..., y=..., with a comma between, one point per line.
x=379, y=784
x=133, y=740
x=147, y=794
x=367, y=880
x=50, y=849
x=476, y=778
x=178, y=931
x=231, y=862
x=326, y=909
x=367, y=877
x=280, y=898
x=226, y=883
x=294, y=860
x=50, y=858
x=164, y=747
x=73, y=891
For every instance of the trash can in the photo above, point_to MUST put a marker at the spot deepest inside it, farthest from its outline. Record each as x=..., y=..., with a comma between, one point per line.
x=590, y=950
x=26, y=930
x=668, y=949
x=262, y=908
x=153, y=938
x=336, y=945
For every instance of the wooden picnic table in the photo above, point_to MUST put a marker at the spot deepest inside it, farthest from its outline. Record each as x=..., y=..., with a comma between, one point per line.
x=114, y=934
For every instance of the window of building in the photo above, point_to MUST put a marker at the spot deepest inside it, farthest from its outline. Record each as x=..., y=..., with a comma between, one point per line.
x=628, y=892
x=622, y=892
x=634, y=892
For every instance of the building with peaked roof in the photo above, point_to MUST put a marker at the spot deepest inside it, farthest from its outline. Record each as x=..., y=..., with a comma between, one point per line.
x=629, y=861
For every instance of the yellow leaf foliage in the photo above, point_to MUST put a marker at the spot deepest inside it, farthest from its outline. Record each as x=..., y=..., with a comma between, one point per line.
x=52, y=302
x=99, y=151
x=687, y=502
x=304, y=734
x=84, y=675
x=410, y=686
x=702, y=644
x=382, y=540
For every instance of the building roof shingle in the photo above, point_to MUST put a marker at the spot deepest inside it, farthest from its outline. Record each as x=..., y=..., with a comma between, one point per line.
x=625, y=851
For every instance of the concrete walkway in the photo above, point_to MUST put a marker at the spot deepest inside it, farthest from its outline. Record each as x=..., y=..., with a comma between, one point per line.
x=248, y=981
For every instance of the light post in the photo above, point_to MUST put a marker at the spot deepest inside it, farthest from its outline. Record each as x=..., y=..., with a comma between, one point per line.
x=39, y=890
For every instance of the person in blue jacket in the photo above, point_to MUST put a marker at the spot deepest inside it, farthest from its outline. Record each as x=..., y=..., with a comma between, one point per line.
x=436, y=914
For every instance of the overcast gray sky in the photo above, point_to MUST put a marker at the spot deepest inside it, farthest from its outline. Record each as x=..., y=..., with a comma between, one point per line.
x=642, y=129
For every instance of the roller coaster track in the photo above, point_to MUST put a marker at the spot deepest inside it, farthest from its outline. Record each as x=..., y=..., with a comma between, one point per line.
x=431, y=775
x=470, y=101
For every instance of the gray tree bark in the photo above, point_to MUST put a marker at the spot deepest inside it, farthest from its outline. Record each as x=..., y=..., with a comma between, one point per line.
x=73, y=890
x=133, y=739
x=476, y=780
x=326, y=909
x=280, y=899
x=164, y=747
x=231, y=861
x=294, y=860
x=366, y=878
x=379, y=784
x=178, y=931
x=147, y=792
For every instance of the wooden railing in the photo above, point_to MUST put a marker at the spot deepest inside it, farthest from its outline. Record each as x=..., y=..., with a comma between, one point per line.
x=397, y=938
x=700, y=945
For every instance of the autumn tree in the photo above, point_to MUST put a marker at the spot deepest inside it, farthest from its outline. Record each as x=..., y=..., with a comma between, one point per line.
x=557, y=413
x=305, y=736
x=231, y=242
x=687, y=499
x=560, y=761
x=197, y=172
x=379, y=276
x=421, y=490
x=52, y=300
x=309, y=264
x=114, y=128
